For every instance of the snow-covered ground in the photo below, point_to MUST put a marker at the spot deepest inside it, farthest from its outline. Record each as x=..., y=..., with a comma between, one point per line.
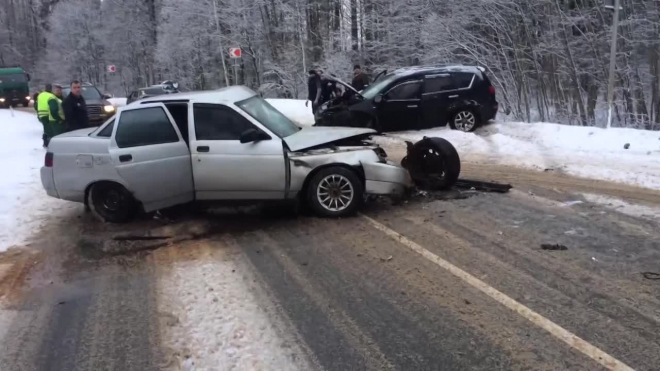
x=581, y=151
x=23, y=202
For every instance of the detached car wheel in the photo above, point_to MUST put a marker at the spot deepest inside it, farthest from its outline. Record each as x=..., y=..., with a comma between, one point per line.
x=433, y=163
x=335, y=192
x=112, y=202
x=464, y=120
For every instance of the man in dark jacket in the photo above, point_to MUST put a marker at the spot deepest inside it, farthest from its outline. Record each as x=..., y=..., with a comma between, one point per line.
x=75, y=108
x=360, y=80
x=314, y=89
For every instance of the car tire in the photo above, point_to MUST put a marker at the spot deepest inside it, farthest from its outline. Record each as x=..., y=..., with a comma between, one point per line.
x=335, y=192
x=433, y=164
x=465, y=120
x=111, y=202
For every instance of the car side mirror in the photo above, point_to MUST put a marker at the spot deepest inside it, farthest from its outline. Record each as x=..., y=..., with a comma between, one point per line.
x=27, y=75
x=379, y=98
x=253, y=135
x=107, y=96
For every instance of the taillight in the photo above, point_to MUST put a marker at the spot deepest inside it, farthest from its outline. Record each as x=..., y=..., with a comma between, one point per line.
x=48, y=162
x=491, y=90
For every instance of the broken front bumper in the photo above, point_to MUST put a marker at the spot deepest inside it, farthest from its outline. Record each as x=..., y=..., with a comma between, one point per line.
x=385, y=178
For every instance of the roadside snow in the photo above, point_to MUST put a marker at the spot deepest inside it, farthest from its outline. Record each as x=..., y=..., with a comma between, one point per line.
x=24, y=204
x=117, y=102
x=295, y=110
x=587, y=152
x=621, y=206
x=216, y=318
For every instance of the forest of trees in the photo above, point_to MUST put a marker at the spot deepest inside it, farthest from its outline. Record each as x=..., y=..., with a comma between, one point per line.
x=547, y=58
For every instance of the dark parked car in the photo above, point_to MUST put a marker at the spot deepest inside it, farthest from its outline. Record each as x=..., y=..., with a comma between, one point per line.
x=416, y=98
x=166, y=87
x=98, y=107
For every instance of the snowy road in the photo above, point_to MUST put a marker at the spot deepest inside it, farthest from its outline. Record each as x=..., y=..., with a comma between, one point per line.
x=255, y=291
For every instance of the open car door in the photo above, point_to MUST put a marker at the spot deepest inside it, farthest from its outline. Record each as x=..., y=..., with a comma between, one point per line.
x=151, y=157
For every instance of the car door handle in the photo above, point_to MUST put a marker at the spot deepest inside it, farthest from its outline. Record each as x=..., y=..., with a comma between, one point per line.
x=412, y=106
x=203, y=149
x=125, y=158
x=453, y=96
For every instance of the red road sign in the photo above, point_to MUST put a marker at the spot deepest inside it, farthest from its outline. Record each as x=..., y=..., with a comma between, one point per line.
x=235, y=53
x=112, y=68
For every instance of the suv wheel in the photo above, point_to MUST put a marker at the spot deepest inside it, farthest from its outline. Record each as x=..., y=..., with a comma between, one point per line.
x=335, y=192
x=464, y=120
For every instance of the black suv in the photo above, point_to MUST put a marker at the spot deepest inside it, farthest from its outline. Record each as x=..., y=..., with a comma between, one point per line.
x=98, y=107
x=166, y=87
x=416, y=98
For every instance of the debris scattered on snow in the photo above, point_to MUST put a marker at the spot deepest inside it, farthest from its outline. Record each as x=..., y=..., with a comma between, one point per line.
x=572, y=203
x=387, y=259
x=626, y=146
x=554, y=247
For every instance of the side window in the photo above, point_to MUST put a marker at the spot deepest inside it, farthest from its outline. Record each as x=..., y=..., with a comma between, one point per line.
x=216, y=122
x=406, y=91
x=107, y=131
x=143, y=127
x=436, y=84
x=463, y=80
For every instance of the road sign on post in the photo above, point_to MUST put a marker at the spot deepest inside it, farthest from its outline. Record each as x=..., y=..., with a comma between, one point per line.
x=235, y=53
x=112, y=68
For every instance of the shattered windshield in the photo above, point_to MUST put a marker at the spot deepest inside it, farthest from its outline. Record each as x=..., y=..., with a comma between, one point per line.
x=377, y=87
x=268, y=116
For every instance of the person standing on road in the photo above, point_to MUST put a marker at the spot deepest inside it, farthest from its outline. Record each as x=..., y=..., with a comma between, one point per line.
x=55, y=112
x=41, y=105
x=75, y=108
x=314, y=88
x=360, y=80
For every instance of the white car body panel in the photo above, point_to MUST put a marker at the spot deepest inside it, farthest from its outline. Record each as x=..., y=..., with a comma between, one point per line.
x=163, y=175
x=317, y=135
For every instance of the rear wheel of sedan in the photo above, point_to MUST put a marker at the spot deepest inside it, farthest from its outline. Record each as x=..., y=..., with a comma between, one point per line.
x=335, y=192
x=112, y=202
x=464, y=120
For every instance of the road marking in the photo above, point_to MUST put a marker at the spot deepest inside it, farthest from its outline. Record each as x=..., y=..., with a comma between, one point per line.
x=559, y=332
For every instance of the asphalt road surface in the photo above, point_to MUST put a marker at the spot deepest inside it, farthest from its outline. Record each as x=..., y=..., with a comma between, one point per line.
x=441, y=281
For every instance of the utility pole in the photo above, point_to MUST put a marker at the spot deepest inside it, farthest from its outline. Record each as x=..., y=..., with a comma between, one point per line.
x=610, y=88
x=222, y=53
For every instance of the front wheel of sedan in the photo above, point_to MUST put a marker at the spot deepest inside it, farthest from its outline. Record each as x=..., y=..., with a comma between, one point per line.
x=335, y=192
x=464, y=120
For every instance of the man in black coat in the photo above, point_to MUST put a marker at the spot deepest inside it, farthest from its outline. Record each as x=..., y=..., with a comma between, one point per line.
x=360, y=80
x=314, y=89
x=75, y=108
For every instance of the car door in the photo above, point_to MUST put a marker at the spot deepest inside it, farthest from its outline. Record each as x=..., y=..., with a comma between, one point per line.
x=399, y=108
x=438, y=93
x=150, y=156
x=226, y=169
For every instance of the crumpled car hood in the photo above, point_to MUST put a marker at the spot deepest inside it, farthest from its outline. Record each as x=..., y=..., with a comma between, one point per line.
x=318, y=135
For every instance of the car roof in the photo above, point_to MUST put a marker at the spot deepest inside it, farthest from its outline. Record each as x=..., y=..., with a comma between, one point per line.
x=11, y=70
x=230, y=94
x=422, y=70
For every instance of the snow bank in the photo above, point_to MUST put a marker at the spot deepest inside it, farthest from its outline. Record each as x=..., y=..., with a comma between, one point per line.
x=621, y=206
x=117, y=102
x=24, y=204
x=581, y=151
x=295, y=110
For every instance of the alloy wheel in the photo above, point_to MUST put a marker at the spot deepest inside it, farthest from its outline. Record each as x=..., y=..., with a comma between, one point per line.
x=465, y=121
x=335, y=192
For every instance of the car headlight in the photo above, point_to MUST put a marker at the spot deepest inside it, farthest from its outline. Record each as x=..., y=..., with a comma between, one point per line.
x=108, y=108
x=2, y=100
x=28, y=98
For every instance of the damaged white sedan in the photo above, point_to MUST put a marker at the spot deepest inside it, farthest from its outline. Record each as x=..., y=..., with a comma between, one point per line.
x=229, y=145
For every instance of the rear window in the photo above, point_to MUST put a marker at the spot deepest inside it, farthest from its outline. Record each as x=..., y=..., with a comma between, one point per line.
x=435, y=84
x=463, y=80
x=145, y=126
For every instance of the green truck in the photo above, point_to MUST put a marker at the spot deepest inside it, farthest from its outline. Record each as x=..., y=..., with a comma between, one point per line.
x=14, y=88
